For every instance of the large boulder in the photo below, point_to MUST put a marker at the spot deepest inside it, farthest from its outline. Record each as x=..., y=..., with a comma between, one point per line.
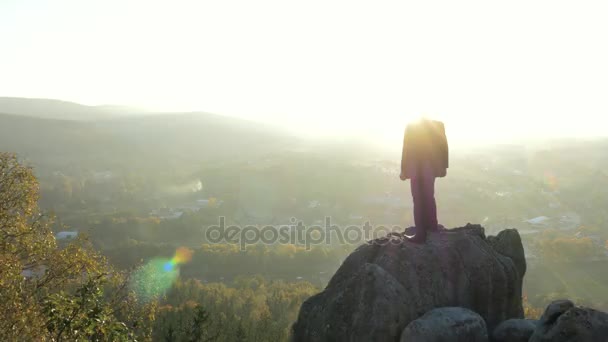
x=447, y=325
x=389, y=282
x=554, y=310
x=514, y=330
x=563, y=321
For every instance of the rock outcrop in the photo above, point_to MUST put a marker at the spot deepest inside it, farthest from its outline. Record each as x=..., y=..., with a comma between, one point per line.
x=447, y=325
x=562, y=321
x=514, y=330
x=389, y=282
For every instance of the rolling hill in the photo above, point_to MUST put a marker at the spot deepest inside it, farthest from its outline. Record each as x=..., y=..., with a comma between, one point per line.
x=60, y=134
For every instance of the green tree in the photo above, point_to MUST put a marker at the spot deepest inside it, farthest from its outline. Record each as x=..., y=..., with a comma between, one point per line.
x=200, y=326
x=241, y=334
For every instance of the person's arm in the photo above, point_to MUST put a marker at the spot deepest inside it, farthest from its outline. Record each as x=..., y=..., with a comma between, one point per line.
x=445, y=148
x=404, y=154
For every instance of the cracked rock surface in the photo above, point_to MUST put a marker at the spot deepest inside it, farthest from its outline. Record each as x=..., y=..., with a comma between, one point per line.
x=562, y=321
x=389, y=282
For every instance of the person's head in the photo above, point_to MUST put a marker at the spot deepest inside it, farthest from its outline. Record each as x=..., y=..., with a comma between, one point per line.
x=421, y=117
x=419, y=120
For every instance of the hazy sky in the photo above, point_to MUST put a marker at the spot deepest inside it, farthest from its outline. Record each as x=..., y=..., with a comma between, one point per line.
x=487, y=68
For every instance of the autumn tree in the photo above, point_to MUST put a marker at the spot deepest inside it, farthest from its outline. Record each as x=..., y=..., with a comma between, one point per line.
x=49, y=292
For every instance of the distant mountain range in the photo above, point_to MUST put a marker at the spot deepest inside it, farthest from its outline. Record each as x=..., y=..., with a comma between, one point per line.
x=63, y=110
x=59, y=132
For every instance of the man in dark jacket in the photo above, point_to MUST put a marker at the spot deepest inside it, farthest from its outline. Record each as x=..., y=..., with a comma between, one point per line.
x=424, y=157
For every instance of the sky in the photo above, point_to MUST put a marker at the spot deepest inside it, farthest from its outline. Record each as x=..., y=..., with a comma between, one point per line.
x=488, y=69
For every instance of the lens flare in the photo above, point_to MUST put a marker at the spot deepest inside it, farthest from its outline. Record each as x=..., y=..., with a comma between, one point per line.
x=550, y=180
x=157, y=276
x=182, y=255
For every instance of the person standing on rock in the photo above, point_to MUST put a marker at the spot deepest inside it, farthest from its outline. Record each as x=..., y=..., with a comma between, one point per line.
x=424, y=157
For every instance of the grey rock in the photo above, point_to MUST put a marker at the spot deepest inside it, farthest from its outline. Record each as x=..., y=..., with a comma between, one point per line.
x=514, y=330
x=564, y=322
x=554, y=310
x=508, y=243
x=387, y=283
x=447, y=325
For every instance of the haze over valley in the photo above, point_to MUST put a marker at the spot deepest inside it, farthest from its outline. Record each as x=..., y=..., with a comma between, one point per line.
x=237, y=170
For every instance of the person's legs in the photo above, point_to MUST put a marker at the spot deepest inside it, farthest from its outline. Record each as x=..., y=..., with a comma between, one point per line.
x=418, y=195
x=430, y=206
x=425, y=207
x=418, y=198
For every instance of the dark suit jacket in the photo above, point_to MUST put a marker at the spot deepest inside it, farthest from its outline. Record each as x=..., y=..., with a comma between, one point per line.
x=424, y=141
